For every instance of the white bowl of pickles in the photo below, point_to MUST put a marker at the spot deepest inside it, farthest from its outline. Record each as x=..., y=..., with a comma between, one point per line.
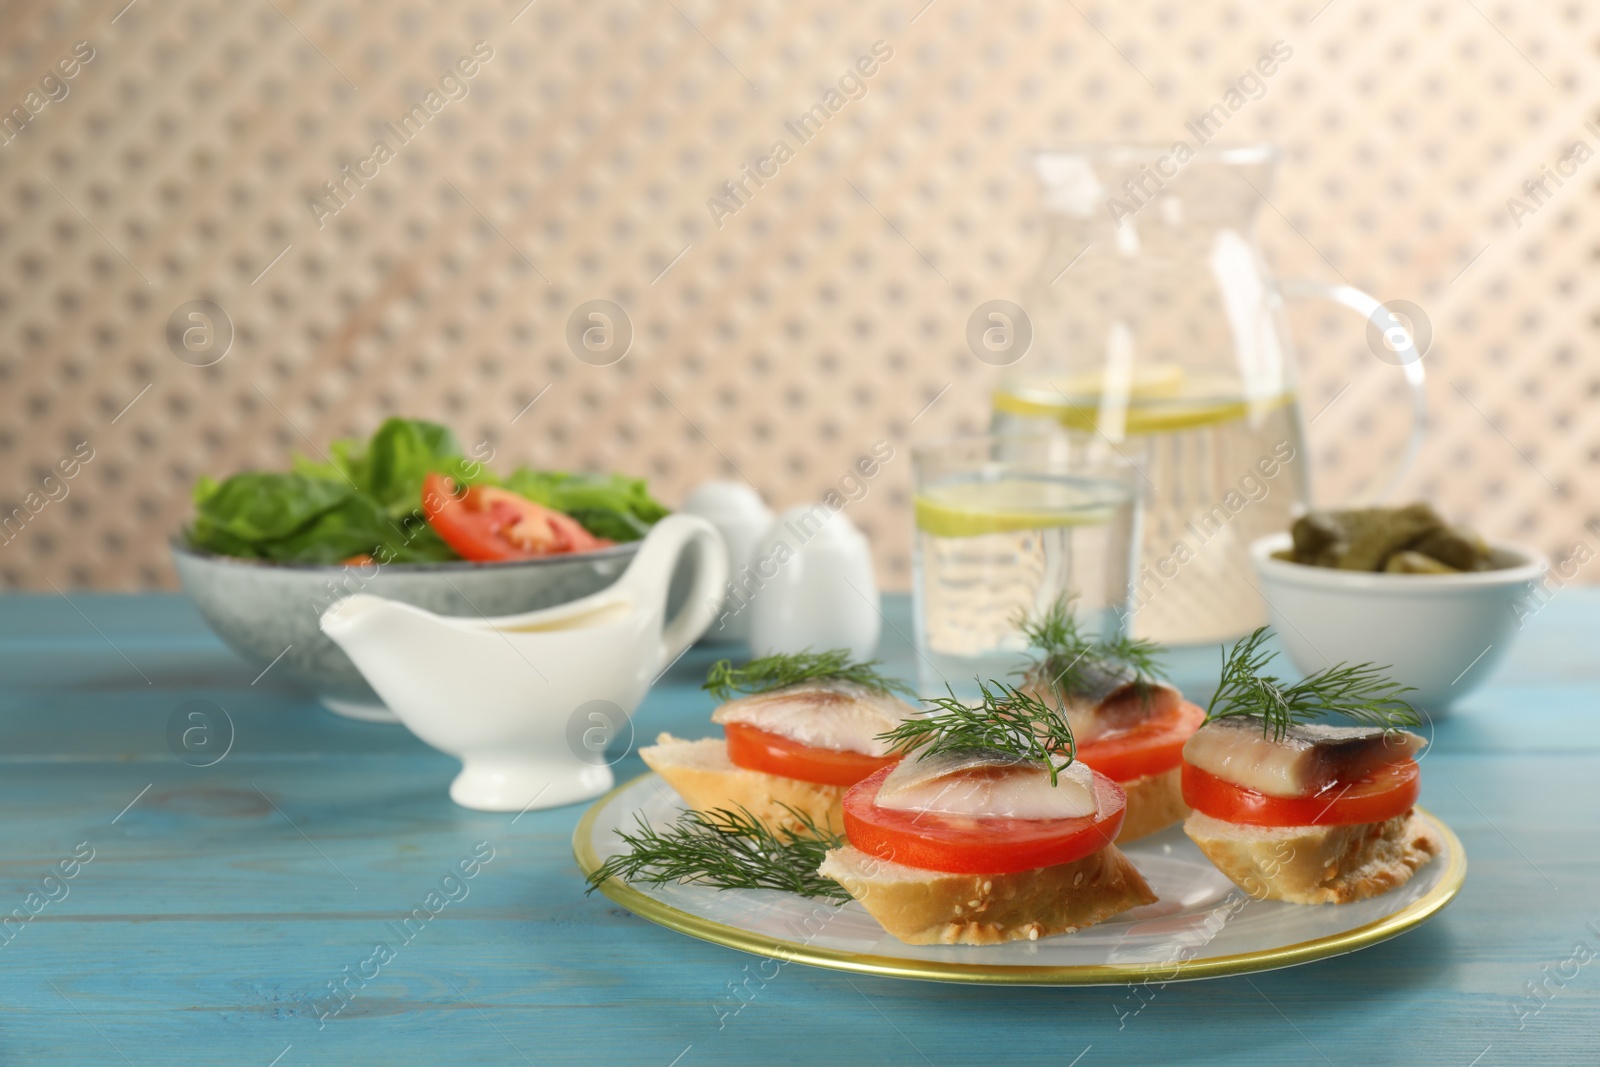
x=1402, y=587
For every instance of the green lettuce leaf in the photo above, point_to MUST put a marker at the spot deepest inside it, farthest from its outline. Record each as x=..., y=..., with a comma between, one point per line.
x=259, y=506
x=392, y=465
x=608, y=505
x=354, y=527
x=365, y=497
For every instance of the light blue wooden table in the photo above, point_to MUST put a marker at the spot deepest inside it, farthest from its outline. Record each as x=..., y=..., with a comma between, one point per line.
x=220, y=901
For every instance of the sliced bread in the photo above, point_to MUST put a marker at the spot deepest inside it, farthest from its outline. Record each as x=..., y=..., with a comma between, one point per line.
x=1155, y=802
x=1316, y=864
x=706, y=779
x=936, y=908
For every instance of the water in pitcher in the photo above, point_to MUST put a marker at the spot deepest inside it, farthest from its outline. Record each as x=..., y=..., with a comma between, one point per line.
x=1157, y=327
x=1217, y=472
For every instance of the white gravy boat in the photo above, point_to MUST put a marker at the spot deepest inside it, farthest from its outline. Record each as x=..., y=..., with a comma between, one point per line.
x=529, y=702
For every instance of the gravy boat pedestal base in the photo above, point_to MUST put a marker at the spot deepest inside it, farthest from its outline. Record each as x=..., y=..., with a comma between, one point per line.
x=496, y=783
x=359, y=710
x=529, y=702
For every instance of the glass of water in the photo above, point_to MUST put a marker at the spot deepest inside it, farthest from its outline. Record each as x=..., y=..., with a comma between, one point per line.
x=1007, y=524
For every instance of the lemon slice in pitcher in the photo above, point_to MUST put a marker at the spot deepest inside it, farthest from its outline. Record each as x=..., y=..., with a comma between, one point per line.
x=1146, y=381
x=973, y=508
x=1160, y=398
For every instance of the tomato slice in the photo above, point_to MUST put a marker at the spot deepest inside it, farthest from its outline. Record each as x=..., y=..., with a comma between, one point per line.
x=960, y=844
x=760, y=750
x=1153, y=747
x=1381, y=794
x=484, y=523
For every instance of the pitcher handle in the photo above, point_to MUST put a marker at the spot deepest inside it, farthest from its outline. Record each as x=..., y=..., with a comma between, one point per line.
x=1372, y=309
x=650, y=576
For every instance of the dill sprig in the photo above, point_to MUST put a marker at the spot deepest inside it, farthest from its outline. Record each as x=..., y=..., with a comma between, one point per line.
x=776, y=672
x=1359, y=692
x=729, y=850
x=1009, y=721
x=1067, y=655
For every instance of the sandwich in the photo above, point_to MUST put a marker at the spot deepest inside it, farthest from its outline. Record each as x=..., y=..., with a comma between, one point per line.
x=1302, y=811
x=988, y=831
x=1128, y=724
x=804, y=730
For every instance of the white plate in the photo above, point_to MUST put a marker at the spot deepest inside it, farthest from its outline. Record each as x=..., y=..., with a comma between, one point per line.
x=1202, y=927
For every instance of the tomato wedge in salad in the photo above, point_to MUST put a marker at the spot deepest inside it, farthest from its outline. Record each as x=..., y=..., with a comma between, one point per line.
x=483, y=523
x=959, y=844
x=1381, y=794
x=1153, y=747
x=761, y=750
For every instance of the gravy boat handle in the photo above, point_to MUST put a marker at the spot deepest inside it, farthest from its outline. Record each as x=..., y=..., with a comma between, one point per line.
x=649, y=578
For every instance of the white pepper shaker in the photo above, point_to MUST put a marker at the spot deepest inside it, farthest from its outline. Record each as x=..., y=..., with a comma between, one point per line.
x=816, y=588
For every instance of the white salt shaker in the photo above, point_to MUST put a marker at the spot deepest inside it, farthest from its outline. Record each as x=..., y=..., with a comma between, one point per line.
x=740, y=515
x=816, y=586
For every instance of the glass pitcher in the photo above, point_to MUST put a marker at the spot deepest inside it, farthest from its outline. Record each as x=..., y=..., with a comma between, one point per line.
x=1157, y=326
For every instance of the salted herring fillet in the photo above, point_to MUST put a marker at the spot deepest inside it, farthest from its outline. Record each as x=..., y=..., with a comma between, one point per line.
x=1306, y=760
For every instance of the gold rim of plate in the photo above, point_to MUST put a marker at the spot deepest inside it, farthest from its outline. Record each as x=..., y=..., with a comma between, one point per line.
x=647, y=907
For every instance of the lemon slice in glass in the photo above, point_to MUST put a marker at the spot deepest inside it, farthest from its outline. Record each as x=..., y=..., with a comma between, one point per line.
x=973, y=508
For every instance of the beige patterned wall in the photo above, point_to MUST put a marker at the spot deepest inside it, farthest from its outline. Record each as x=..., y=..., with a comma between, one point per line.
x=775, y=342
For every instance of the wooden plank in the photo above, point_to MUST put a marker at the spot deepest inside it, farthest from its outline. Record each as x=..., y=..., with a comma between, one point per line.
x=226, y=898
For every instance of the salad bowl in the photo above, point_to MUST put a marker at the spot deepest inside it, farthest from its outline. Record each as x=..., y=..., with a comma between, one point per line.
x=269, y=551
x=268, y=613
